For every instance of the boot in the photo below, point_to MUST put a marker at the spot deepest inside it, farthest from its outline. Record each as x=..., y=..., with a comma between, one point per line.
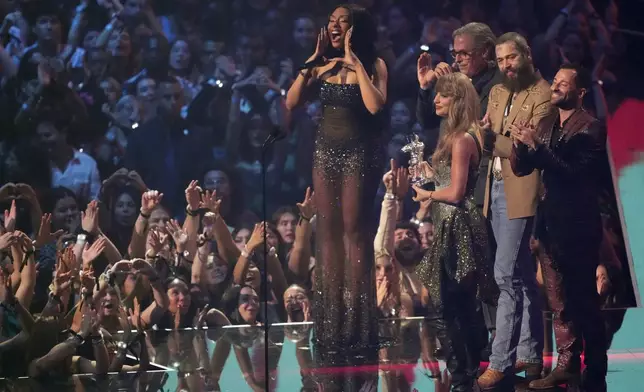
x=491, y=379
x=556, y=377
x=532, y=370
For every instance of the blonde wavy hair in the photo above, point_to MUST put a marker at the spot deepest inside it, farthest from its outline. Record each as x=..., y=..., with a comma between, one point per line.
x=464, y=112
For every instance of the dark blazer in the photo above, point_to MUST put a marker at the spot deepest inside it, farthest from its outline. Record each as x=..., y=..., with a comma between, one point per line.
x=426, y=116
x=571, y=170
x=168, y=156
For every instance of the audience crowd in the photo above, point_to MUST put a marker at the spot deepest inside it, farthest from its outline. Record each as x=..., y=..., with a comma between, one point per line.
x=131, y=146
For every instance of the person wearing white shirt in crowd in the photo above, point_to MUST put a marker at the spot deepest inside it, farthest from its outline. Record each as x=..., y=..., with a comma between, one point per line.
x=70, y=168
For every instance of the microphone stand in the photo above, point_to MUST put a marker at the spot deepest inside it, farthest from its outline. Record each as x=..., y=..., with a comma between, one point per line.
x=268, y=143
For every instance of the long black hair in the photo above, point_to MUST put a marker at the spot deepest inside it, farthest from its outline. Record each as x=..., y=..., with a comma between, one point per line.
x=363, y=38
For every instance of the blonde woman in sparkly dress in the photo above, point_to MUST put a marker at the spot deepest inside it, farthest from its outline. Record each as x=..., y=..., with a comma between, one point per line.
x=457, y=269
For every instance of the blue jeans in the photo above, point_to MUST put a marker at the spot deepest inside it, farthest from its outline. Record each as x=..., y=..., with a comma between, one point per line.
x=519, y=325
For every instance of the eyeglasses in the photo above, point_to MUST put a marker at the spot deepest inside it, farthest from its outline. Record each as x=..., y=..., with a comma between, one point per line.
x=461, y=53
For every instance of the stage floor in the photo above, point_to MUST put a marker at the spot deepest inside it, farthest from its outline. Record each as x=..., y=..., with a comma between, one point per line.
x=180, y=360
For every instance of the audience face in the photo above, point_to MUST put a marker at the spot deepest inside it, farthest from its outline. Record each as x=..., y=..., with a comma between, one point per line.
x=241, y=238
x=90, y=39
x=180, y=56
x=296, y=302
x=209, y=52
x=565, y=94
x=119, y=44
x=66, y=215
x=179, y=296
x=384, y=269
x=217, y=181
x=48, y=28
x=248, y=305
x=258, y=131
x=152, y=53
x=468, y=59
x=112, y=91
x=400, y=117
x=304, y=33
x=253, y=277
x=396, y=21
x=50, y=139
x=172, y=98
x=146, y=89
x=125, y=212
x=573, y=48
x=286, y=227
x=158, y=218
x=426, y=231
x=133, y=8
x=406, y=246
x=250, y=52
x=216, y=270
x=337, y=27
x=96, y=62
x=110, y=303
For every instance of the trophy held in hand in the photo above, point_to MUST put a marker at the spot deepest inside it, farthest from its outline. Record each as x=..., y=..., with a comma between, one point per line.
x=416, y=150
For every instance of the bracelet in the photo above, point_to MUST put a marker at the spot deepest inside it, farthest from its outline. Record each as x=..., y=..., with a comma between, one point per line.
x=144, y=215
x=272, y=252
x=390, y=196
x=191, y=212
x=245, y=253
x=76, y=337
x=97, y=340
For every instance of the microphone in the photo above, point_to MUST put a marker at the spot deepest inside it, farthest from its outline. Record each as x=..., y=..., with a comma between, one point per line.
x=312, y=64
x=275, y=136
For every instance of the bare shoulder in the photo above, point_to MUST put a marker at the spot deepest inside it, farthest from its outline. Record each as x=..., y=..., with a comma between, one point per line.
x=463, y=144
x=380, y=67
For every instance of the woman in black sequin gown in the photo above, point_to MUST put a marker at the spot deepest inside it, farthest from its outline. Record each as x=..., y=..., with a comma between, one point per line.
x=346, y=174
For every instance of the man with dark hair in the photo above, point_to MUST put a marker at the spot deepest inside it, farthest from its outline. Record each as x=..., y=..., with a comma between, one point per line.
x=163, y=150
x=510, y=205
x=569, y=149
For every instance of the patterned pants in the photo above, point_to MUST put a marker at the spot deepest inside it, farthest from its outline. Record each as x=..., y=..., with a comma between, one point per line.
x=569, y=279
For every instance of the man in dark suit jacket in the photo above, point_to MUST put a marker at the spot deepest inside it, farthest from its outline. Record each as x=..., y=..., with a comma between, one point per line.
x=569, y=149
x=167, y=151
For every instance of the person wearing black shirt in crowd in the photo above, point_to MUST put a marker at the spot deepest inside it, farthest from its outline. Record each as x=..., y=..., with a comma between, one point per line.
x=163, y=150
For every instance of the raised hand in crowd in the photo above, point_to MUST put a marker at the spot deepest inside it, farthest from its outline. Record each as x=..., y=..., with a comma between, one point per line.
x=10, y=217
x=91, y=252
x=149, y=201
x=257, y=238
x=89, y=218
x=178, y=234
x=7, y=240
x=307, y=206
x=427, y=74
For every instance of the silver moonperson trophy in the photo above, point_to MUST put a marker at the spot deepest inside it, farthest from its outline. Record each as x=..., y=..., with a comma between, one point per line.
x=416, y=150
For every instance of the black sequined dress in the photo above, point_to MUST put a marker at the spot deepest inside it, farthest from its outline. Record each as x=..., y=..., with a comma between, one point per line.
x=346, y=173
x=460, y=250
